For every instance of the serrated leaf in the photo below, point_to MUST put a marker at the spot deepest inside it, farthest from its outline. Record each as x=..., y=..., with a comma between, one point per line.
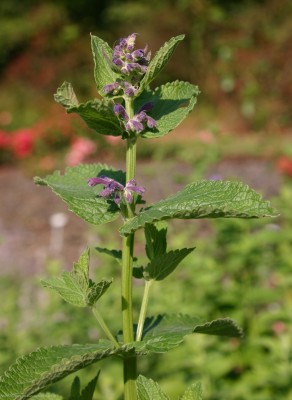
x=75, y=287
x=164, y=264
x=159, y=61
x=194, y=392
x=102, y=54
x=81, y=199
x=204, y=199
x=165, y=332
x=34, y=372
x=66, y=96
x=155, y=235
x=97, y=114
x=147, y=389
x=88, y=392
x=172, y=103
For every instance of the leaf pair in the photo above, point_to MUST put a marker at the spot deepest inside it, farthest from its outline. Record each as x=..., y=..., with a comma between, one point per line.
x=201, y=199
x=34, y=372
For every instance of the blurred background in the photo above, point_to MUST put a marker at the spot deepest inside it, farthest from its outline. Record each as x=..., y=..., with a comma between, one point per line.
x=239, y=53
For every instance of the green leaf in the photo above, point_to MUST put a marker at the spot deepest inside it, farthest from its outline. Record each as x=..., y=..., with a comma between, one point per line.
x=34, y=372
x=98, y=114
x=147, y=389
x=159, y=61
x=204, y=199
x=47, y=396
x=172, y=104
x=75, y=287
x=164, y=264
x=81, y=199
x=66, y=96
x=116, y=254
x=102, y=55
x=88, y=392
x=155, y=235
x=75, y=389
x=194, y=392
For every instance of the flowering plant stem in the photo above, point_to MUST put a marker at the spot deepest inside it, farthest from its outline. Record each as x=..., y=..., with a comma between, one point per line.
x=130, y=364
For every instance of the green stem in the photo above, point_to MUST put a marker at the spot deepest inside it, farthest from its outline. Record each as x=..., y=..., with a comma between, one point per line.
x=130, y=364
x=142, y=315
x=104, y=326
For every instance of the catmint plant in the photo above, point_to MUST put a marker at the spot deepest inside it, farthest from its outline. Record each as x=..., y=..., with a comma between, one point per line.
x=128, y=107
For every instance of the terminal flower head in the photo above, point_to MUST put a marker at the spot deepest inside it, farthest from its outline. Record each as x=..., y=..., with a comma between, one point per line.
x=129, y=61
x=115, y=190
x=140, y=120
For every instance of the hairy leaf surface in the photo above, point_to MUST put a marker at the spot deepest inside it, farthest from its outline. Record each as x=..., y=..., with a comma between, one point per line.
x=172, y=104
x=35, y=371
x=81, y=199
x=147, y=389
x=102, y=55
x=194, y=392
x=204, y=199
x=97, y=114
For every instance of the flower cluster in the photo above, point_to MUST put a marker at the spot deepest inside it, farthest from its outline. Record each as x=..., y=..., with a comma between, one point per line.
x=140, y=120
x=121, y=87
x=130, y=63
x=115, y=190
x=128, y=60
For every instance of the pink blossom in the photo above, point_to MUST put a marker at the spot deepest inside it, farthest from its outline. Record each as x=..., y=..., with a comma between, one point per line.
x=80, y=149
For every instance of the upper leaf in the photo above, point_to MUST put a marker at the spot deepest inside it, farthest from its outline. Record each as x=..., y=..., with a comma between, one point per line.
x=171, y=105
x=204, y=199
x=159, y=61
x=98, y=114
x=102, y=55
x=164, y=264
x=147, y=389
x=194, y=392
x=75, y=287
x=81, y=199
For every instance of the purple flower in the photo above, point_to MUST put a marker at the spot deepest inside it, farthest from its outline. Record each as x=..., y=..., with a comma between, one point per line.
x=119, y=87
x=140, y=120
x=115, y=189
x=130, y=61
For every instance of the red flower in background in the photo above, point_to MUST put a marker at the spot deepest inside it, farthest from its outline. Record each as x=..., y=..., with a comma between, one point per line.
x=284, y=165
x=21, y=142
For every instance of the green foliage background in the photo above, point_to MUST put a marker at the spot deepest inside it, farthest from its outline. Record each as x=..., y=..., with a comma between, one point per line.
x=239, y=54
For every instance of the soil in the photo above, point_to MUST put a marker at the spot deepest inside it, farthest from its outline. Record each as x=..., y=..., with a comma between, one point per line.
x=28, y=240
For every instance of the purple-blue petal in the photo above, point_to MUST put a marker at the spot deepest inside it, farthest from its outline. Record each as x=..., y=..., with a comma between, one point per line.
x=120, y=111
